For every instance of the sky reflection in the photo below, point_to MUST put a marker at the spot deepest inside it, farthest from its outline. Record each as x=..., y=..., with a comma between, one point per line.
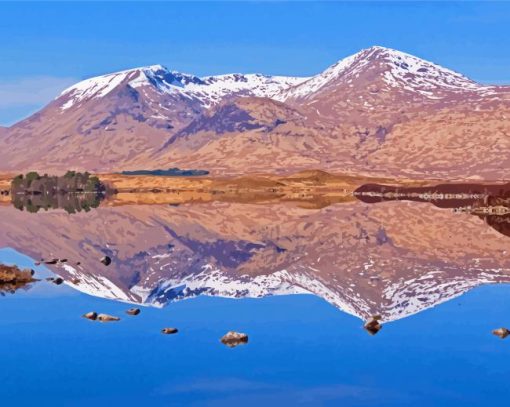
x=302, y=350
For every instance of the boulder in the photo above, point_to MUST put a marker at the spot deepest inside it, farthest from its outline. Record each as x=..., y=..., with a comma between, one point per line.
x=501, y=332
x=90, y=315
x=169, y=331
x=233, y=339
x=107, y=318
x=372, y=326
x=106, y=260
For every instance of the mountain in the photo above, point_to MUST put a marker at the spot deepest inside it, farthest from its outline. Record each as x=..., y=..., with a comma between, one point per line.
x=107, y=122
x=392, y=258
x=379, y=111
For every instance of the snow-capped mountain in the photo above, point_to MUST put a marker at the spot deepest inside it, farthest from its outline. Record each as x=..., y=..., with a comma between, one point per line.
x=399, y=299
x=398, y=69
x=208, y=91
x=393, y=259
x=379, y=111
x=395, y=69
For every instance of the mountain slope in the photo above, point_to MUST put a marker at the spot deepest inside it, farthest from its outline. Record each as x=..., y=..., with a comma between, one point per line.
x=379, y=111
x=109, y=122
x=354, y=115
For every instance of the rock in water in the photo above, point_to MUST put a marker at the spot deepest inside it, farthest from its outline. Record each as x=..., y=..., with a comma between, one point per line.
x=133, y=311
x=10, y=274
x=372, y=326
x=106, y=260
x=107, y=318
x=233, y=339
x=168, y=331
x=91, y=315
x=501, y=332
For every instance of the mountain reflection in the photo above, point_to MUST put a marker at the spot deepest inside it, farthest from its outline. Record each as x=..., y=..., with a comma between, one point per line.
x=489, y=202
x=391, y=259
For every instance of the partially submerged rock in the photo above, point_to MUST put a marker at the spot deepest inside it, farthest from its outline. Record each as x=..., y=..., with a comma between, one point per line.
x=107, y=318
x=55, y=280
x=372, y=326
x=91, y=315
x=169, y=331
x=501, y=332
x=12, y=278
x=233, y=339
x=133, y=311
x=10, y=274
x=106, y=260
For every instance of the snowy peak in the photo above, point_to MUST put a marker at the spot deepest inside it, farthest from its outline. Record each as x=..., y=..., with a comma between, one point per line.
x=208, y=91
x=156, y=76
x=382, y=66
x=413, y=71
x=218, y=87
x=391, y=68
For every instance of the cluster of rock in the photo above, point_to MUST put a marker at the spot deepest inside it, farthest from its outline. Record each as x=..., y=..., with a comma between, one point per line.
x=94, y=316
x=230, y=339
x=13, y=278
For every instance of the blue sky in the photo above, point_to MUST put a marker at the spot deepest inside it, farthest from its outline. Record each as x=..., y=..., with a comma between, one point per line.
x=48, y=46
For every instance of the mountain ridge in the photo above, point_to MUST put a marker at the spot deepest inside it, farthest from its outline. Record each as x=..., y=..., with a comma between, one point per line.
x=344, y=119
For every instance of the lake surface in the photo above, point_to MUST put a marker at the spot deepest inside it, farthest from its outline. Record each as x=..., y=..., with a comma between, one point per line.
x=300, y=280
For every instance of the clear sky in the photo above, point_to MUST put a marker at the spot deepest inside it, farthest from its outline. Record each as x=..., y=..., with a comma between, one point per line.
x=48, y=46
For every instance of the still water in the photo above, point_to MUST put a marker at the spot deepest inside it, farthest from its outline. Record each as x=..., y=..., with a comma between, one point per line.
x=300, y=280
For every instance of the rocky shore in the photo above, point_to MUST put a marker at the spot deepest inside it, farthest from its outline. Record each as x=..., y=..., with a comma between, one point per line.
x=13, y=278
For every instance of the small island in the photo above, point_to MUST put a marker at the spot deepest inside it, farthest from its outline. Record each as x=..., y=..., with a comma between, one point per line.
x=171, y=172
x=73, y=192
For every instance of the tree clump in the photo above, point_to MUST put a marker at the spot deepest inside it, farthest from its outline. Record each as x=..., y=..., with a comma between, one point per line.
x=73, y=191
